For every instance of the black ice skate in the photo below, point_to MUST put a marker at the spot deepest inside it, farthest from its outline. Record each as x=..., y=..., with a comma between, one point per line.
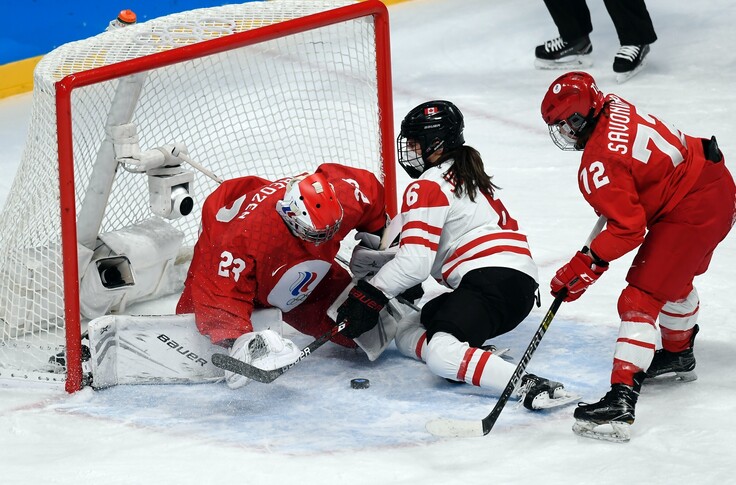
x=558, y=54
x=629, y=60
x=540, y=393
x=614, y=413
x=682, y=364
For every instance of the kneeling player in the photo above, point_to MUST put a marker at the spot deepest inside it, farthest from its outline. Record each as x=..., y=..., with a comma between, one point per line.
x=456, y=230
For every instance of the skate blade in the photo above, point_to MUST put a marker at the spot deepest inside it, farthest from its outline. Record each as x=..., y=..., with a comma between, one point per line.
x=577, y=62
x=670, y=377
x=504, y=354
x=561, y=398
x=614, y=432
x=622, y=77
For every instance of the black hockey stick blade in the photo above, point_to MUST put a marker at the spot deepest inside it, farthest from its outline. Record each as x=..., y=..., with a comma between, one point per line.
x=230, y=364
x=458, y=428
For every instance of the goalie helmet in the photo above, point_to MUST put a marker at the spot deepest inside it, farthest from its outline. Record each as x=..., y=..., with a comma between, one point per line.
x=427, y=128
x=572, y=102
x=310, y=208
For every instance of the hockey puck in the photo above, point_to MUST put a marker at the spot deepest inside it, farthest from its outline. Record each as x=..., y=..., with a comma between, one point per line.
x=360, y=383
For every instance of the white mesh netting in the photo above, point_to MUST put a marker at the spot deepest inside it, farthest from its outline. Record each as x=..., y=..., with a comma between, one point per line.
x=271, y=109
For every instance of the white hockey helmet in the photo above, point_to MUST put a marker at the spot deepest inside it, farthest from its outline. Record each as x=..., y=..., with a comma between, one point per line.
x=310, y=208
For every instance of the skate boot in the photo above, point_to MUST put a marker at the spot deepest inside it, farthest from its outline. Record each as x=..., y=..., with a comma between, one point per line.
x=681, y=363
x=540, y=393
x=614, y=412
x=558, y=54
x=629, y=60
x=57, y=362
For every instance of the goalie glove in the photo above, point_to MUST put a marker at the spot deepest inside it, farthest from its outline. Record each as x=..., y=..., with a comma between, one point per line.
x=361, y=309
x=582, y=271
x=367, y=259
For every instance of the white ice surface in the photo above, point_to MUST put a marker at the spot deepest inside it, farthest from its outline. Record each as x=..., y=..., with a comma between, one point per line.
x=310, y=427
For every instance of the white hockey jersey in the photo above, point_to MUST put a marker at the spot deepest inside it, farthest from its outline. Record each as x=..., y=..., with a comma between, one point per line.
x=447, y=236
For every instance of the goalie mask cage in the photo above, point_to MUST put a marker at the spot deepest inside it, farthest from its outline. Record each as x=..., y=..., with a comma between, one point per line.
x=268, y=88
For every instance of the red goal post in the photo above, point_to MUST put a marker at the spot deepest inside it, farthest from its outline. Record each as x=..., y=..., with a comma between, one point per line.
x=264, y=88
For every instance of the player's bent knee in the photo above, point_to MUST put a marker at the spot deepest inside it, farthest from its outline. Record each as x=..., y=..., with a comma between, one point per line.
x=444, y=355
x=411, y=337
x=636, y=305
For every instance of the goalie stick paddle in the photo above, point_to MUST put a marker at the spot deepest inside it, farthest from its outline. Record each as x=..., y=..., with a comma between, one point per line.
x=458, y=428
x=228, y=363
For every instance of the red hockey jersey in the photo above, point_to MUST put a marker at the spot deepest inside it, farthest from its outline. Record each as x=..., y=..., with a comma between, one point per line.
x=247, y=258
x=635, y=169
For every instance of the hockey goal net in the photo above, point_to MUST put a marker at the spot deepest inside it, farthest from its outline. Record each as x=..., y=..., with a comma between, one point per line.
x=263, y=88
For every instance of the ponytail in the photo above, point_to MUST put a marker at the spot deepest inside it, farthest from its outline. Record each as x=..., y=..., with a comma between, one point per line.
x=467, y=173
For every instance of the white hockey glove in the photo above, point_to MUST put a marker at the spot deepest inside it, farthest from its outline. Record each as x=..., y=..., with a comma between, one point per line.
x=266, y=350
x=367, y=259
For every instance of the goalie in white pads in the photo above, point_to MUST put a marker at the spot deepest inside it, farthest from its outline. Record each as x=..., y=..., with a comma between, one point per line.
x=455, y=229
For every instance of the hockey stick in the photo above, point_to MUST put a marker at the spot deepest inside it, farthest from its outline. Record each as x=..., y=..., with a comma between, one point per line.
x=458, y=428
x=225, y=362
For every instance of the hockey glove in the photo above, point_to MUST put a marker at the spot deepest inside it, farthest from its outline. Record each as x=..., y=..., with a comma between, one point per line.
x=367, y=259
x=361, y=309
x=577, y=275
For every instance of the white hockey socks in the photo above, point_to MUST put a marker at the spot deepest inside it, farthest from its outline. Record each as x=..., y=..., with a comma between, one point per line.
x=266, y=350
x=449, y=358
x=677, y=320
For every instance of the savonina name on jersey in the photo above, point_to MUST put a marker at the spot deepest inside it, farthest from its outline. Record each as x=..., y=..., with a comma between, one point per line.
x=618, y=125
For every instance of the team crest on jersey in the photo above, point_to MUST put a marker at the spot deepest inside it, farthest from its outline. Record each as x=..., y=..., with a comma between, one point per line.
x=297, y=283
x=303, y=283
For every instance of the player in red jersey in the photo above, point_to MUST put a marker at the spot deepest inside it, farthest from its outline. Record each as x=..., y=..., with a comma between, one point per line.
x=270, y=244
x=667, y=193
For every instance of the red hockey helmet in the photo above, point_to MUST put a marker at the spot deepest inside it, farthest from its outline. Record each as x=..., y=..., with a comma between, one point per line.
x=310, y=208
x=572, y=101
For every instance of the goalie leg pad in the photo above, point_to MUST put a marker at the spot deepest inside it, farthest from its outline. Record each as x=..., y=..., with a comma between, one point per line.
x=374, y=341
x=162, y=349
x=411, y=337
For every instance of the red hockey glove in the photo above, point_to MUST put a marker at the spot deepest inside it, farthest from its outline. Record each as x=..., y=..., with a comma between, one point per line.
x=361, y=309
x=577, y=276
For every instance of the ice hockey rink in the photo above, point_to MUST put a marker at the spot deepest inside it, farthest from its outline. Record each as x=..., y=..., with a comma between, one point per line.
x=310, y=427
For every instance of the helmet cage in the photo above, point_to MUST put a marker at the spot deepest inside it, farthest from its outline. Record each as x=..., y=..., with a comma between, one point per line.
x=412, y=155
x=566, y=133
x=293, y=210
